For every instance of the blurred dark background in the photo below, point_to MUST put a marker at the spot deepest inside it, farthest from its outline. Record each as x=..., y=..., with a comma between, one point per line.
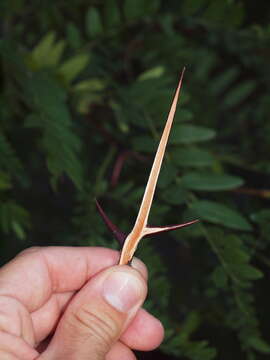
x=85, y=91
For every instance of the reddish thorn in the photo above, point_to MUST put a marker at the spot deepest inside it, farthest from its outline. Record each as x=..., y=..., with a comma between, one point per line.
x=120, y=237
x=160, y=229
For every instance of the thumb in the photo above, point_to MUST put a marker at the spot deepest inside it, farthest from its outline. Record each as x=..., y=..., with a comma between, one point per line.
x=98, y=315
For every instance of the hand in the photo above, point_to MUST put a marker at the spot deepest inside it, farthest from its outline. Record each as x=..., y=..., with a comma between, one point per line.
x=72, y=303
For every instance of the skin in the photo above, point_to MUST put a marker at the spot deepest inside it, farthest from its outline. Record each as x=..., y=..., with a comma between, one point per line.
x=39, y=289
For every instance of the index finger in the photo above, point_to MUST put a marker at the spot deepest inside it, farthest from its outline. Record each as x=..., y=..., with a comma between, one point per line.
x=36, y=273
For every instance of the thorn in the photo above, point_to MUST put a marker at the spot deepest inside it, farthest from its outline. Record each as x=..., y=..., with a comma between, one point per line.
x=140, y=226
x=159, y=229
x=119, y=235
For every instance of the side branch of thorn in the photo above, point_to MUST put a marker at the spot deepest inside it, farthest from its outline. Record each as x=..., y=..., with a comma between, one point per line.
x=119, y=235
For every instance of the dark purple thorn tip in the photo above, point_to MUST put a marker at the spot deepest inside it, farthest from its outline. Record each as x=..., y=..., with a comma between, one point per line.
x=119, y=235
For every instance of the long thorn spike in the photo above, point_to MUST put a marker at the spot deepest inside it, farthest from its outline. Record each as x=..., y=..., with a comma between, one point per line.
x=145, y=207
x=137, y=232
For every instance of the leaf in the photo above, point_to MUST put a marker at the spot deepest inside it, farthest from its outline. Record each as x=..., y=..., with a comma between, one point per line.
x=13, y=218
x=144, y=143
x=70, y=69
x=18, y=230
x=257, y=343
x=217, y=213
x=186, y=134
x=9, y=160
x=207, y=62
x=183, y=115
x=246, y=271
x=56, y=53
x=199, y=350
x=112, y=14
x=49, y=59
x=210, y=182
x=167, y=175
x=262, y=216
x=153, y=73
x=191, y=324
x=90, y=85
x=224, y=12
x=220, y=277
x=51, y=116
x=234, y=255
x=192, y=157
x=42, y=50
x=85, y=100
x=93, y=22
x=239, y=93
x=73, y=36
x=175, y=195
x=223, y=80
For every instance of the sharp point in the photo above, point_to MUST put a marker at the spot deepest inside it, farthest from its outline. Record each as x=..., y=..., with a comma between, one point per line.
x=110, y=225
x=182, y=73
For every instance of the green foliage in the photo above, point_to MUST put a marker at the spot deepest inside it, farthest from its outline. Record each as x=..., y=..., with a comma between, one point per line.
x=218, y=213
x=47, y=52
x=51, y=115
x=186, y=134
x=93, y=22
x=85, y=91
x=210, y=182
x=9, y=161
x=192, y=157
x=14, y=218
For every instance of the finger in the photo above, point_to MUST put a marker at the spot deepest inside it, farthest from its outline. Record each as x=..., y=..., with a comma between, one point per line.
x=14, y=346
x=144, y=333
x=120, y=351
x=45, y=318
x=15, y=319
x=98, y=315
x=6, y=356
x=51, y=269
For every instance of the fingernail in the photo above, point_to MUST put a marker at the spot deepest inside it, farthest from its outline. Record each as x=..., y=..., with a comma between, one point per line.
x=122, y=290
x=139, y=265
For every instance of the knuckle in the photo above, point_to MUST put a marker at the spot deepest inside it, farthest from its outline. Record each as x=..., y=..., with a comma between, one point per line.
x=103, y=329
x=10, y=315
x=30, y=250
